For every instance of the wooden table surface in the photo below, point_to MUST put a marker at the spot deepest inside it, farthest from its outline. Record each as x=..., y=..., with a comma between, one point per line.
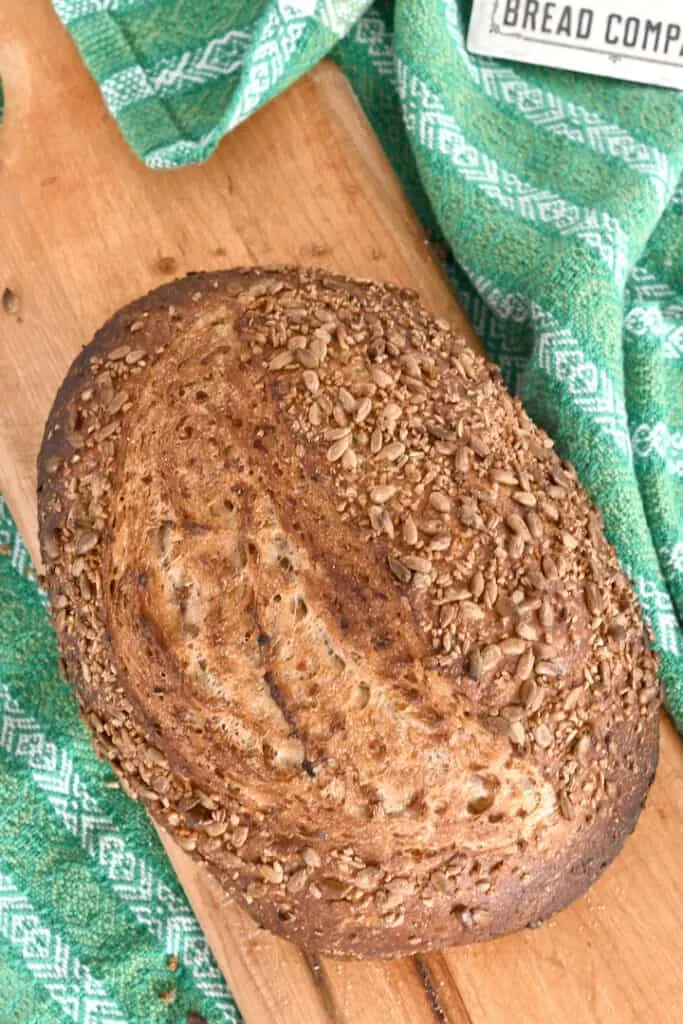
x=86, y=228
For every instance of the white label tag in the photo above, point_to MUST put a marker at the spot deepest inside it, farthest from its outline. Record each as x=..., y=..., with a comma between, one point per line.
x=628, y=39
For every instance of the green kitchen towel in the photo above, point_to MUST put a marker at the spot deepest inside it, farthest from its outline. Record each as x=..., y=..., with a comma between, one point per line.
x=558, y=202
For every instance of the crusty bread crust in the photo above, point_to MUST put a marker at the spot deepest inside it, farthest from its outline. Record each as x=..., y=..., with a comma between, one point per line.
x=337, y=612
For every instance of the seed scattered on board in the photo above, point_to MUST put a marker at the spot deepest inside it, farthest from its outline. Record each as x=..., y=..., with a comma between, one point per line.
x=11, y=303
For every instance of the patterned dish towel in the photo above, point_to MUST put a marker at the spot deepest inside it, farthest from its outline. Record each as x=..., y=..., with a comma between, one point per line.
x=558, y=200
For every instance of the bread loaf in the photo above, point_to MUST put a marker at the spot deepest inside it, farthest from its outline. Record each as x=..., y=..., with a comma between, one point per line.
x=339, y=615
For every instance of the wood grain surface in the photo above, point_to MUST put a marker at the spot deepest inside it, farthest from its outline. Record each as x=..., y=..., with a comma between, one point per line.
x=85, y=228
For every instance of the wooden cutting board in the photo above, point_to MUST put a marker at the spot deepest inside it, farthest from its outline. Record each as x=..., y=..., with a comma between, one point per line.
x=86, y=228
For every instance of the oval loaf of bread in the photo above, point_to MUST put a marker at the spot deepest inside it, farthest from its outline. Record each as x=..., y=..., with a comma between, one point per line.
x=339, y=615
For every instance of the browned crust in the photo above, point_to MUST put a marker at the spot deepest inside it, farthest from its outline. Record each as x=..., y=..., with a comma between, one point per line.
x=544, y=871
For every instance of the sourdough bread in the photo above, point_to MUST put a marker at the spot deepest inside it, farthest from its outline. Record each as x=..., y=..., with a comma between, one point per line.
x=339, y=615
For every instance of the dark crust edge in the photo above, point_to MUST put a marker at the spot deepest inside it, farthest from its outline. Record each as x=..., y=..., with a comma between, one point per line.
x=577, y=864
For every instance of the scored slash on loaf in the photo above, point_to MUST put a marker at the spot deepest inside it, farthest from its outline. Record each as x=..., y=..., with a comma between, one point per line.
x=337, y=612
